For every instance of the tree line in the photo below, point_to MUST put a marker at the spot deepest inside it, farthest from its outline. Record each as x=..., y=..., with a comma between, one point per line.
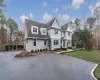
x=8, y=29
x=89, y=36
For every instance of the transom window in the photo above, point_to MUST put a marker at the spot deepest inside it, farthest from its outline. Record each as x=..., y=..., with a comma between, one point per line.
x=56, y=42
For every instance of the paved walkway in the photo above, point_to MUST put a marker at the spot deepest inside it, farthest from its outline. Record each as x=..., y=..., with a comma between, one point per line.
x=44, y=67
x=63, y=51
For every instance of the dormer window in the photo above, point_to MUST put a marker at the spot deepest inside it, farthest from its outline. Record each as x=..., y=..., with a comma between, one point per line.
x=34, y=30
x=43, y=31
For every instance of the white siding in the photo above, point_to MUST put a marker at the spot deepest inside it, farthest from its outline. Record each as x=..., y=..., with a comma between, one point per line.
x=63, y=34
x=56, y=25
x=64, y=44
x=25, y=31
x=52, y=34
x=55, y=46
x=39, y=45
x=69, y=43
x=68, y=37
x=53, y=37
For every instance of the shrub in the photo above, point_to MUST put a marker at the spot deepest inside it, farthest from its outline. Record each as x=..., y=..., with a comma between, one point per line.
x=46, y=49
x=56, y=49
x=36, y=51
x=40, y=50
x=43, y=49
x=64, y=49
x=32, y=51
x=69, y=47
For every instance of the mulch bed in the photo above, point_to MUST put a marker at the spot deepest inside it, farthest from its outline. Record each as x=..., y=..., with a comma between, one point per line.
x=28, y=54
x=32, y=53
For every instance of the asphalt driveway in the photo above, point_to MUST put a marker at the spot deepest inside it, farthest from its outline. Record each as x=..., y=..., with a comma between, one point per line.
x=44, y=67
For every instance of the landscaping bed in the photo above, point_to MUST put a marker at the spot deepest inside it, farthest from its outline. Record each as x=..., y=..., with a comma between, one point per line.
x=25, y=54
x=93, y=56
x=38, y=52
x=32, y=53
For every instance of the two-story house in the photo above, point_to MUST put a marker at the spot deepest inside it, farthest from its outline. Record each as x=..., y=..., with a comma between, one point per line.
x=67, y=36
x=46, y=36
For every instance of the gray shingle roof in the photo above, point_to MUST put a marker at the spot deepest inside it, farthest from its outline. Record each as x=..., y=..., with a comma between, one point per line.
x=29, y=23
x=49, y=24
x=64, y=27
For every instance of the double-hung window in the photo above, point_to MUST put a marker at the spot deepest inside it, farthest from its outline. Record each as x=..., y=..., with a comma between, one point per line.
x=44, y=42
x=56, y=42
x=34, y=42
x=34, y=30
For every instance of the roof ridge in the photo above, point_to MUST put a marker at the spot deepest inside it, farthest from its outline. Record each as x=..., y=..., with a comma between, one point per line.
x=50, y=22
x=65, y=26
x=35, y=21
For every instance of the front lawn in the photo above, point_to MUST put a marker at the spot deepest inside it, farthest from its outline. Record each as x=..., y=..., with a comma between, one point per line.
x=93, y=56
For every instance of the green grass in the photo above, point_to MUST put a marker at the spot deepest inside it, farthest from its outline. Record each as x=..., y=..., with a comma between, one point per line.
x=93, y=56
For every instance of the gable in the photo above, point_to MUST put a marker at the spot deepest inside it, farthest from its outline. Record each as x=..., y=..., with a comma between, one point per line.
x=69, y=29
x=56, y=24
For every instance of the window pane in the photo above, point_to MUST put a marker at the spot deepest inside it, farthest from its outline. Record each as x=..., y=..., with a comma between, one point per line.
x=34, y=29
x=34, y=43
x=45, y=42
x=56, y=42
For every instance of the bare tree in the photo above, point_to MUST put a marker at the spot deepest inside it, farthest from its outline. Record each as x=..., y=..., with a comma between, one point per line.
x=12, y=26
x=97, y=14
x=97, y=30
x=91, y=21
x=77, y=22
x=2, y=5
x=2, y=30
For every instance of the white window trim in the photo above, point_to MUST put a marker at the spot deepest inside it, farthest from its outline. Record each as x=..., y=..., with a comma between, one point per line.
x=56, y=42
x=32, y=30
x=41, y=29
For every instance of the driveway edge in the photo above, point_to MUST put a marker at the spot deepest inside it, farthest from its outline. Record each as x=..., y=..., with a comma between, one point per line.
x=92, y=72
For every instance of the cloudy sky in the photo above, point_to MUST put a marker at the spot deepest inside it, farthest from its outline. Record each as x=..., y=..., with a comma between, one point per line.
x=45, y=10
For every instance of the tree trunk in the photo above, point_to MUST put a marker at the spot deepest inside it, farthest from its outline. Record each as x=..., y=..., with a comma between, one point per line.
x=2, y=38
x=10, y=43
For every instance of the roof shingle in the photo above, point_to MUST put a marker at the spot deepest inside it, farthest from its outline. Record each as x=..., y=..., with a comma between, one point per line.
x=29, y=23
